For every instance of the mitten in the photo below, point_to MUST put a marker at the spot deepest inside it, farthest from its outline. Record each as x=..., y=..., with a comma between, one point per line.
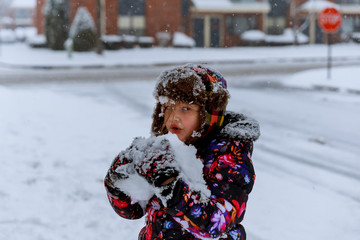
x=122, y=176
x=158, y=163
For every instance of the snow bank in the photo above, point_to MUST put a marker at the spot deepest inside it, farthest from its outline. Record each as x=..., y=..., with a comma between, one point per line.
x=342, y=79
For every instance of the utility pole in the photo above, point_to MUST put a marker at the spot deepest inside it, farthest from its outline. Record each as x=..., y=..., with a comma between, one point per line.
x=99, y=45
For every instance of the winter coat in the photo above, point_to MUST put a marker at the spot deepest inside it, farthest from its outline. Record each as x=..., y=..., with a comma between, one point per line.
x=229, y=174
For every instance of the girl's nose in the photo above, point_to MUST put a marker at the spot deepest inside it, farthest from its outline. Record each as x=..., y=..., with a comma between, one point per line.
x=174, y=115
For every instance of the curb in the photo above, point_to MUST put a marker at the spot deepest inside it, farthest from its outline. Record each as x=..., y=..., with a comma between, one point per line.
x=335, y=60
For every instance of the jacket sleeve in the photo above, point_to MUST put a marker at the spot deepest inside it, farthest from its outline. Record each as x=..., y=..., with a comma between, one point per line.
x=120, y=202
x=230, y=176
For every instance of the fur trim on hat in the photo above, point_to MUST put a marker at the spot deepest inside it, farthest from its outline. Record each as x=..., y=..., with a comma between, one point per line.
x=194, y=84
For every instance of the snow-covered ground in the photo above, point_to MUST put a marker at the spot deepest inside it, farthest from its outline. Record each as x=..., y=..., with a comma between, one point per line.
x=57, y=141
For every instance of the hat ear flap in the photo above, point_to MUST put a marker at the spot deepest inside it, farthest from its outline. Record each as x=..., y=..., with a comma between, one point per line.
x=217, y=101
x=158, y=121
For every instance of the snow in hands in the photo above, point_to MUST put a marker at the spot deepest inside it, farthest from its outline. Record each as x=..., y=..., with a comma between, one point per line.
x=157, y=159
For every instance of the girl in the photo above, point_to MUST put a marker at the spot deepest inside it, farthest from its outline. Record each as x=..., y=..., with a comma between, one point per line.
x=197, y=188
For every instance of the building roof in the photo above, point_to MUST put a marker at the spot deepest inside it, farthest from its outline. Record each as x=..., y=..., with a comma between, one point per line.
x=230, y=6
x=317, y=5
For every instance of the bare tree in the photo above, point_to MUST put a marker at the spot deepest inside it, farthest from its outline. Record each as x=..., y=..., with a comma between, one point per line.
x=293, y=20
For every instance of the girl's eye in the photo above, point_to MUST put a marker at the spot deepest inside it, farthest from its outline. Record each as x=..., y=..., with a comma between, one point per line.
x=186, y=108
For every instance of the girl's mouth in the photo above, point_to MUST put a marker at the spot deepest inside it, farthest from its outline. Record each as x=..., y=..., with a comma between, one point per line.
x=175, y=129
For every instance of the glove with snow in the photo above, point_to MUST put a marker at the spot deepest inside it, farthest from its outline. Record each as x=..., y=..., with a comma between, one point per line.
x=123, y=165
x=158, y=163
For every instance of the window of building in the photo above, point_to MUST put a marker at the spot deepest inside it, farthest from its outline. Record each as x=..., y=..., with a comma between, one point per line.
x=278, y=8
x=22, y=14
x=185, y=6
x=240, y=24
x=132, y=7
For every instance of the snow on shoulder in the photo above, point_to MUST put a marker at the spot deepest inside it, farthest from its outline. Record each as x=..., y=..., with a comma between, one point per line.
x=240, y=126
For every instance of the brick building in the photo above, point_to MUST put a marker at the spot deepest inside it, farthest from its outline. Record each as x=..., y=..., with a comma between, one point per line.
x=18, y=13
x=212, y=23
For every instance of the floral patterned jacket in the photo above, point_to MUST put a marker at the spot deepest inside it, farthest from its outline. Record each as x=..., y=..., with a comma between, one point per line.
x=229, y=174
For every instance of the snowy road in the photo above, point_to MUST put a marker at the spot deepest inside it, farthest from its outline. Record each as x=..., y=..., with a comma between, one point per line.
x=60, y=139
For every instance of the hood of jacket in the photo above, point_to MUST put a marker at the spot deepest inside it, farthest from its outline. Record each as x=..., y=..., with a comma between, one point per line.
x=239, y=126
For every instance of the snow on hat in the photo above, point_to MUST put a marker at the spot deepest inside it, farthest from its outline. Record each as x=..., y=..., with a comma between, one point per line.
x=195, y=84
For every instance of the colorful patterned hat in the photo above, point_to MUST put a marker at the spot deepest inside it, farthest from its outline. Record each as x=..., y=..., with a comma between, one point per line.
x=196, y=84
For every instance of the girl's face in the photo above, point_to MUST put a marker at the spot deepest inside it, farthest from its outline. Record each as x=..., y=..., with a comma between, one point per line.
x=181, y=118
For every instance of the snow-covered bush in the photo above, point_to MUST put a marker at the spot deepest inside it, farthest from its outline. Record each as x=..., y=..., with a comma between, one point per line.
x=145, y=42
x=181, y=40
x=286, y=38
x=355, y=36
x=37, y=41
x=56, y=24
x=253, y=37
x=111, y=42
x=7, y=36
x=163, y=39
x=129, y=41
x=82, y=30
x=24, y=33
x=258, y=38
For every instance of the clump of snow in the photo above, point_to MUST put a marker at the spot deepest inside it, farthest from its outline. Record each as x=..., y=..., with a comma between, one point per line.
x=191, y=168
x=182, y=40
x=196, y=134
x=136, y=187
x=163, y=99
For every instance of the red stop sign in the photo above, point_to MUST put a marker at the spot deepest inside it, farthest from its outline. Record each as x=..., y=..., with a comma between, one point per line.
x=330, y=19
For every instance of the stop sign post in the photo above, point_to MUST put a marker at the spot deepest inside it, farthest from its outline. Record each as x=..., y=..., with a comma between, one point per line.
x=329, y=19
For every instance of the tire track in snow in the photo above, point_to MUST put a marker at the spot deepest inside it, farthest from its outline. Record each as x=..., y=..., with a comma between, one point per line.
x=304, y=161
x=131, y=100
x=277, y=166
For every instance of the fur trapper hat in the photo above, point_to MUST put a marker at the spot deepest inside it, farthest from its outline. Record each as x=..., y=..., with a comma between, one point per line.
x=194, y=84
